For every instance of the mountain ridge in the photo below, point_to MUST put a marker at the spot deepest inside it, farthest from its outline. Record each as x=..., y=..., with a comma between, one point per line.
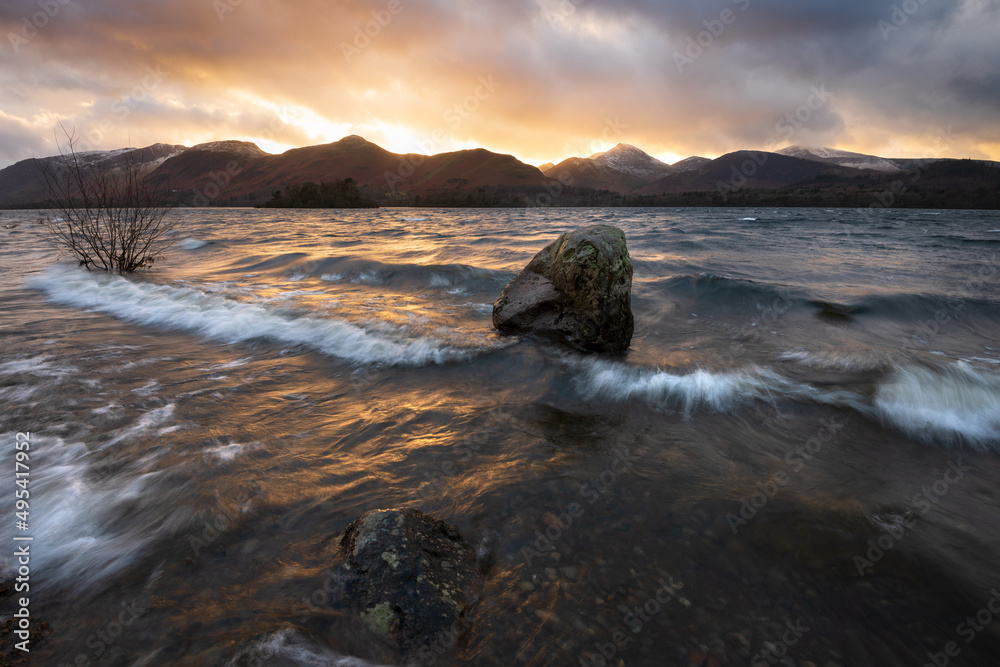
x=234, y=172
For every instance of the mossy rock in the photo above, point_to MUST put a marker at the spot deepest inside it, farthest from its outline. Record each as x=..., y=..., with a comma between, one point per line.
x=578, y=289
x=410, y=577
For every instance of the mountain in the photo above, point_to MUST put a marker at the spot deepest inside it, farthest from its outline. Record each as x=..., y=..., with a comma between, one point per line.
x=746, y=169
x=633, y=161
x=581, y=172
x=193, y=167
x=936, y=184
x=251, y=175
x=240, y=173
x=846, y=159
x=23, y=183
x=691, y=163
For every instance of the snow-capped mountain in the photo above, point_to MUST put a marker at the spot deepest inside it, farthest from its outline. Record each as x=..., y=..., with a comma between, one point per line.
x=842, y=158
x=691, y=163
x=24, y=182
x=633, y=161
x=149, y=157
x=244, y=149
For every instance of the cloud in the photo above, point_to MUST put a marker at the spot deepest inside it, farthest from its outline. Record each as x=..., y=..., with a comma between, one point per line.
x=396, y=71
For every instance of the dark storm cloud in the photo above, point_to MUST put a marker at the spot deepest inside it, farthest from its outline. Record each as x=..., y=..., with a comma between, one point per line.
x=571, y=75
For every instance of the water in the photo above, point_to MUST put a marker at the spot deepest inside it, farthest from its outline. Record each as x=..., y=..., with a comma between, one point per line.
x=798, y=456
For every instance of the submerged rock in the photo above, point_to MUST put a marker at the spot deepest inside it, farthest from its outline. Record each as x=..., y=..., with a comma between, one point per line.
x=410, y=577
x=577, y=289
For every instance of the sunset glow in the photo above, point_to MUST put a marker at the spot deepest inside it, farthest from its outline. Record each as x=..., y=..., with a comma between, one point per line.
x=676, y=79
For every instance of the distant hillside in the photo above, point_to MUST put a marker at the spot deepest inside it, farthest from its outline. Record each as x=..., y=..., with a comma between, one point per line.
x=745, y=169
x=690, y=163
x=959, y=184
x=239, y=173
x=844, y=158
x=585, y=173
x=633, y=161
x=384, y=176
x=23, y=183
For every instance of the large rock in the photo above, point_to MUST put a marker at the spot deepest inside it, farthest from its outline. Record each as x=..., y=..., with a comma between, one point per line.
x=410, y=576
x=577, y=289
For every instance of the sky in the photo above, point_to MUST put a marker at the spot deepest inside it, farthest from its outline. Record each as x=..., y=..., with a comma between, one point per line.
x=540, y=79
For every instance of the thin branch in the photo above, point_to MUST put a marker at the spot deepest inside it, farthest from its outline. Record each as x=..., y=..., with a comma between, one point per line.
x=108, y=218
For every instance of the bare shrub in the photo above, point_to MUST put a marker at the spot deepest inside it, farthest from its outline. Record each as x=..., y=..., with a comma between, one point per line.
x=108, y=216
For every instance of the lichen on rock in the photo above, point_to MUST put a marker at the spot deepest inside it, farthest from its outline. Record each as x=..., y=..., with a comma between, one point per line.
x=576, y=289
x=411, y=577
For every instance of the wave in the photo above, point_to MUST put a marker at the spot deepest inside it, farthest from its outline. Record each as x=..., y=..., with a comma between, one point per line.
x=721, y=391
x=708, y=290
x=712, y=289
x=362, y=271
x=232, y=321
x=838, y=360
x=956, y=404
x=291, y=646
x=191, y=244
x=95, y=524
x=953, y=405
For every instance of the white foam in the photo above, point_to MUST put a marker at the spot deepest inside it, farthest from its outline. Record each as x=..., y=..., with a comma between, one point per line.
x=289, y=646
x=719, y=391
x=748, y=219
x=151, y=387
x=37, y=366
x=92, y=524
x=376, y=278
x=840, y=360
x=243, y=361
x=954, y=404
x=225, y=452
x=221, y=318
x=149, y=422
